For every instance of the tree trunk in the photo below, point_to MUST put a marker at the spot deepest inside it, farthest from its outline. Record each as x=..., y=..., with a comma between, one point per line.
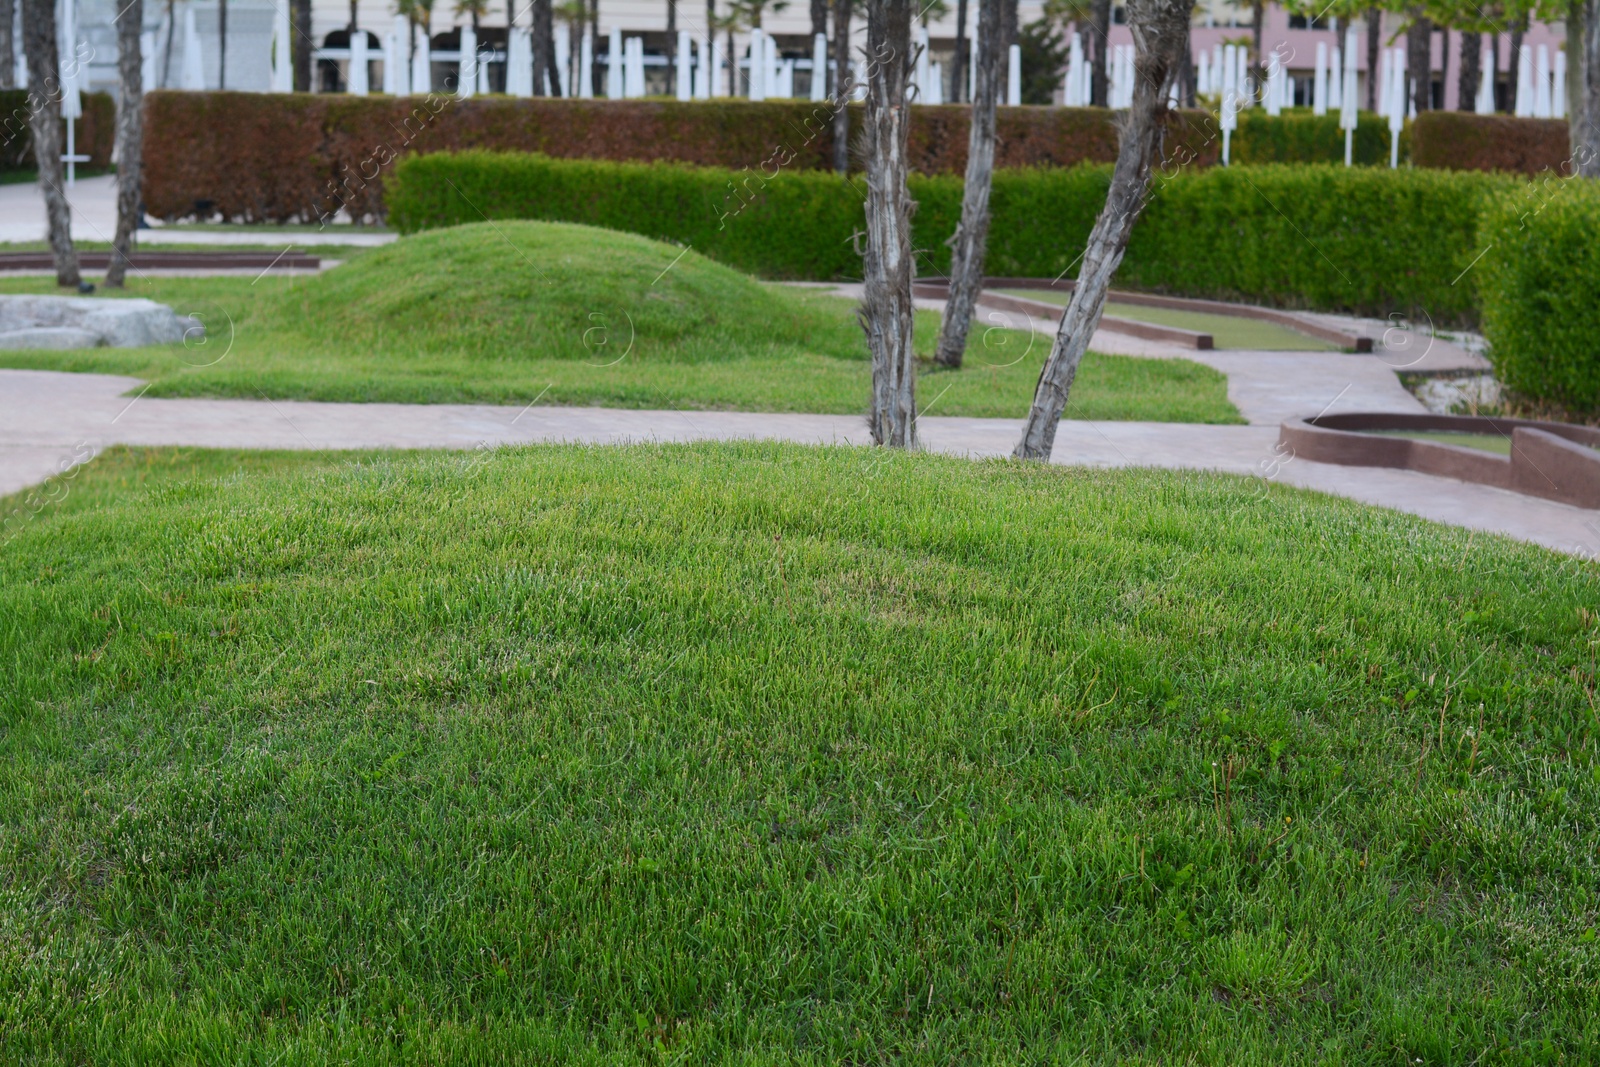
x=1008, y=24
x=1419, y=60
x=44, y=120
x=8, y=47
x=958, y=62
x=1374, y=42
x=597, y=84
x=222, y=44
x=1583, y=94
x=166, y=52
x=886, y=310
x=672, y=47
x=552, y=70
x=1160, y=40
x=541, y=30
x=711, y=40
x=130, y=137
x=300, y=47
x=1470, y=75
x=1099, y=38
x=1258, y=21
x=842, y=85
x=819, y=18
x=1514, y=64
x=972, y=235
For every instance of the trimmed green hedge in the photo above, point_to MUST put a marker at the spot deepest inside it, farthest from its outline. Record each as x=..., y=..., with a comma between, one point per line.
x=1363, y=240
x=1298, y=136
x=1540, y=285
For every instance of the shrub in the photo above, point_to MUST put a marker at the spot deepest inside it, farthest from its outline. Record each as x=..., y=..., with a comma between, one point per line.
x=1298, y=136
x=1456, y=140
x=1540, y=285
x=1359, y=239
x=96, y=130
x=282, y=158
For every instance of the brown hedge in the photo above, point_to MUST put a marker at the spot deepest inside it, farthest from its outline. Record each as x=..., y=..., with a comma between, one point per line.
x=1458, y=140
x=282, y=158
x=96, y=130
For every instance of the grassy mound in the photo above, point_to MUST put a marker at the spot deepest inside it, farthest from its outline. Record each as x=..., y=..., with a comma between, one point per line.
x=505, y=312
x=515, y=289
x=753, y=753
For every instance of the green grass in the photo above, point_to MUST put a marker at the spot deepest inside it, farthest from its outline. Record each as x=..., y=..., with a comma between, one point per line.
x=1227, y=331
x=508, y=312
x=764, y=754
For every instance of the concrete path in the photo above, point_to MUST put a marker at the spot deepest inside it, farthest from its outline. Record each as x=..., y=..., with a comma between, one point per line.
x=94, y=218
x=49, y=421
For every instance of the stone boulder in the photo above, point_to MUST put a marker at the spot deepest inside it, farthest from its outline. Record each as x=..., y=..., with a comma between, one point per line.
x=28, y=321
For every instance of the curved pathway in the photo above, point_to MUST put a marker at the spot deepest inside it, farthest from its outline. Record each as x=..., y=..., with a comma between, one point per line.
x=50, y=420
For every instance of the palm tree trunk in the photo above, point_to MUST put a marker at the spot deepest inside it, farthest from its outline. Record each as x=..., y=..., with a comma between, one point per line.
x=1419, y=60
x=544, y=23
x=300, y=45
x=8, y=47
x=542, y=29
x=596, y=75
x=1469, y=75
x=886, y=309
x=1160, y=39
x=1258, y=17
x=1374, y=41
x=1099, y=40
x=1584, y=91
x=130, y=137
x=841, y=85
x=222, y=44
x=968, y=244
x=166, y=48
x=44, y=119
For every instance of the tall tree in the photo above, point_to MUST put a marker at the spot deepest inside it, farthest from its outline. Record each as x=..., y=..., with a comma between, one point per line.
x=1584, y=103
x=672, y=46
x=300, y=52
x=222, y=44
x=130, y=137
x=958, y=62
x=1419, y=59
x=819, y=18
x=1100, y=42
x=597, y=83
x=972, y=233
x=8, y=47
x=886, y=309
x=544, y=59
x=1160, y=39
x=842, y=85
x=1470, y=71
x=44, y=120
x=710, y=46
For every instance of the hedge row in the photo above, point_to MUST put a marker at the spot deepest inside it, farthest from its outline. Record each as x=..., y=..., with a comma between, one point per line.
x=255, y=157
x=1540, y=286
x=1361, y=240
x=96, y=130
x=1457, y=140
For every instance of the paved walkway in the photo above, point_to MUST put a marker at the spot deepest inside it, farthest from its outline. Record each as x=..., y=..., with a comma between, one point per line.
x=94, y=218
x=49, y=419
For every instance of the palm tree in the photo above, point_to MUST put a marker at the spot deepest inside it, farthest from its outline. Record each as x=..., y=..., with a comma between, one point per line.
x=749, y=12
x=417, y=13
x=575, y=13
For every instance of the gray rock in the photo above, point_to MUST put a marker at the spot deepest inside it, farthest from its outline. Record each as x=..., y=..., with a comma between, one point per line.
x=49, y=337
x=114, y=322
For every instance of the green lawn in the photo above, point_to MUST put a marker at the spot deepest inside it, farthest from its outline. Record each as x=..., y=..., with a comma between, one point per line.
x=765, y=754
x=1227, y=331
x=506, y=312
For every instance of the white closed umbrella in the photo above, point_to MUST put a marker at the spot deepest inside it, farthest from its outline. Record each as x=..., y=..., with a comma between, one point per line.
x=923, y=72
x=585, y=67
x=282, y=60
x=1348, y=113
x=194, y=71
x=1202, y=75
x=563, y=74
x=819, y=67
x=1483, y=104
x=1274, y=85
x=684, y=87
x=467, y=63
x=1541, y=84
x=1319, y=81
x=1230, y=100
x=1397, y=104
x=422, y=62
x=519, y=63
x=1335, y=78
x=1014, y=76
x=1558, y=90
x=358, y=64
x=1524, y=102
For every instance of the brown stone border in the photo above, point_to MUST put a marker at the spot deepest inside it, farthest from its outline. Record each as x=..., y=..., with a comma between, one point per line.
x=1046, y=310
x=1353, y=342
x=1554, y=460
x=169, y=260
